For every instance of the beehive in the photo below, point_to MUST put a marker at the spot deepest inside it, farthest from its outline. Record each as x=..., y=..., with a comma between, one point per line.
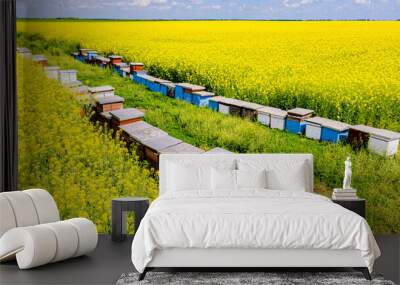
x=249, y=110
x=326, y=130
x=225, y=106
x=138, y=133
x=218, y=150
x=25, y=52
x=41, y=59
x=101, y=91
x=150, y=82
x=183, y=91
x=109, y=103
x=156, y=86
x=136, y=66
x=82, y=54
x=72, y=85
x=295, y=122
x=234, y=106
x=75, y=54
x=52, y=71
x=22, y=50
x=273, y=117
x=67, y=76
x=105, y=119
x=380, y=141
x=91, y=55
x=126, y=72
x=119, y=66
x=102, y=61
x=168, y=89
x=213, y=103
x=125, y=116
x=153, y=148
x=115, y=59
x=182, y=148
x=201, y=98
x=83, y=51
x=264, y=115
x=139, y=77
x=79, y=89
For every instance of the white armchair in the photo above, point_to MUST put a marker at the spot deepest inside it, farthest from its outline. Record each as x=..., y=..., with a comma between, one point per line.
x=31, y=231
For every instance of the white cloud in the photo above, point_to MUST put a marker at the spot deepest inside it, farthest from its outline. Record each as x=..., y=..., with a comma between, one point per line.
x=146, y=3
x=216, y=7
x=296, y=3
x=361, y=2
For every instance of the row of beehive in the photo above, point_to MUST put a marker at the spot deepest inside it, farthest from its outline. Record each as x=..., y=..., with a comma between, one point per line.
x=298, y=120
x=150, y=141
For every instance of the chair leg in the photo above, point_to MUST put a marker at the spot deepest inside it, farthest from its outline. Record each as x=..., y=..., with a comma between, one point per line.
x=142, y=275
x=365, y=272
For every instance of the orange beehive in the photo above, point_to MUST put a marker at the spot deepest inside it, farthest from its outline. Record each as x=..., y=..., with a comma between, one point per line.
x=136, y=66
x=125, y=116
x=115, y=59
x=108, y=104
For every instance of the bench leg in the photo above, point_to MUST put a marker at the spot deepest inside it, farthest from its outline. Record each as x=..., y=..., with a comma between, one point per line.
x=365, y=272
x=142, y=275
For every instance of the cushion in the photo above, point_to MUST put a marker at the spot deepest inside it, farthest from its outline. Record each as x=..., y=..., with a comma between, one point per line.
x=282, y=175
x=224, y=179
x=292, y=179
x=251, y=178
x=183, y=177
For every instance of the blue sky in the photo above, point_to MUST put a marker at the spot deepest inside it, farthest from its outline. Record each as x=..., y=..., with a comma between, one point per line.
x=211, y=9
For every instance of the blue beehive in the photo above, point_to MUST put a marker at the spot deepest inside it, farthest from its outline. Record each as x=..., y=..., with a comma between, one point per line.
x=75, y=54
x=138, y=77
x=201, y=98
x=91, y=54
x=295, y=122
x=183, y=91
x=149, y=82
x=213, y=103
x=119, y=66
x=82, y=54
x=167, y=89
x=158, y=82
x=326, y=130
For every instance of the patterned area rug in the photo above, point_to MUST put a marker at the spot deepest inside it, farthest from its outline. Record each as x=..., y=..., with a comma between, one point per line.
x=244, y=278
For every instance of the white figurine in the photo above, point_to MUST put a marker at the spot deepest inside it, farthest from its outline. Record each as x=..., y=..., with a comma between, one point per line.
x=347, y=174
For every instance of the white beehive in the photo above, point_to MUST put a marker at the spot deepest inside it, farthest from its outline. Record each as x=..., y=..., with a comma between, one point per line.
x=225, y=105
x=264, y=115
x=25, y=52
x=380, y=141
x=101, y=91
x=313, y=130
x=273, y=117
x=52, y=71
x=67, y=76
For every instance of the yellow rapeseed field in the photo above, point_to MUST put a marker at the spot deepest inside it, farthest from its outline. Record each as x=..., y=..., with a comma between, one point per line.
x=348, y=71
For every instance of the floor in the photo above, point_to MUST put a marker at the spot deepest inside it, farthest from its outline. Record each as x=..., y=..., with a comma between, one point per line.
x=110, y=260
